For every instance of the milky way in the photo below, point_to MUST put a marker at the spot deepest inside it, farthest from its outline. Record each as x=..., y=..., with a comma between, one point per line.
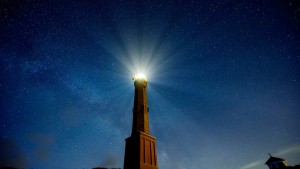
x=223, y=81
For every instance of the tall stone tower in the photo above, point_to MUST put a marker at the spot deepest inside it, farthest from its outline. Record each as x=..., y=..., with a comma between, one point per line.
x=140, y=150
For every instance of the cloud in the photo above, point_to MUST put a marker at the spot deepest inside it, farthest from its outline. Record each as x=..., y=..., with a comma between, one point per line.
x=11, y=154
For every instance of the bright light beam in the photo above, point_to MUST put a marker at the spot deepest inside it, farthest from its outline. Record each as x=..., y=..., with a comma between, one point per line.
x=139, y=76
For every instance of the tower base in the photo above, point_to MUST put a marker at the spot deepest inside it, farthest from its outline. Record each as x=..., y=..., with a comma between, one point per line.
x=140, y=152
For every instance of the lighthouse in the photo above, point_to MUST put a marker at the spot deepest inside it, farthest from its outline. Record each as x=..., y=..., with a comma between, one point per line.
x=140, y=149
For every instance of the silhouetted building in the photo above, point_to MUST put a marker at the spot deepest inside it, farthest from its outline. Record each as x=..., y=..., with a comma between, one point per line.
x=279, y=163
x=276, y=163
x=140, y=150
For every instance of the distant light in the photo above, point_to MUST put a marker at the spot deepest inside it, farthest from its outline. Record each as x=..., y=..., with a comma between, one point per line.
x=140, y=76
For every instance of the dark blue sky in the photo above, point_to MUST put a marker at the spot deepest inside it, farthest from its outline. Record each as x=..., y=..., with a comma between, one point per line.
x=224, y=84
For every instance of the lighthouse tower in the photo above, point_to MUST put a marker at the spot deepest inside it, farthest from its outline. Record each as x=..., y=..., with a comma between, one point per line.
x=140, y=149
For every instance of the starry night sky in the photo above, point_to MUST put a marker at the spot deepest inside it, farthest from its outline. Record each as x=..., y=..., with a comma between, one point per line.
x=223, y=90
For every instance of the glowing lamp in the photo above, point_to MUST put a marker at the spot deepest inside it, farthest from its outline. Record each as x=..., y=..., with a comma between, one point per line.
x=139, y=76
